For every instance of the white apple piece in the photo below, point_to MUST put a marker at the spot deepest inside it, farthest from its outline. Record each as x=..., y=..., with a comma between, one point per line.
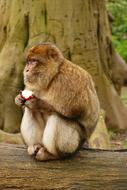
x=27, y=94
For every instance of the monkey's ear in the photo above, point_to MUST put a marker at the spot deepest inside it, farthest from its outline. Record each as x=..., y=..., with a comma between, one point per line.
x=52, y=54
x=55, y=54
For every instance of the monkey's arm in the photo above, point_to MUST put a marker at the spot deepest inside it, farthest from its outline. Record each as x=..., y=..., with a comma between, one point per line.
x=34, y=104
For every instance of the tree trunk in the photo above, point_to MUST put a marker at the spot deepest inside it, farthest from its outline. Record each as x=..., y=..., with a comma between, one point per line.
x=87, y=170
x=79, y=28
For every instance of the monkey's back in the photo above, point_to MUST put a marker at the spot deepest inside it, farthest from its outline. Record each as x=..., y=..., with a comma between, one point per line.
x=72, y=94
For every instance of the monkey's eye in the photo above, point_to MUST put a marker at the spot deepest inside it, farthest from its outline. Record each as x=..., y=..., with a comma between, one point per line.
x=32, y=61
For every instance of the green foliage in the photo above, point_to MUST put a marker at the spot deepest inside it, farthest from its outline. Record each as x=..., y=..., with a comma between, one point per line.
x=118, y=8
x=121, y=46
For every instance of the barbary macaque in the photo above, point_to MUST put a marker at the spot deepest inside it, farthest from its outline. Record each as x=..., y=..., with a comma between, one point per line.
x=63, y=107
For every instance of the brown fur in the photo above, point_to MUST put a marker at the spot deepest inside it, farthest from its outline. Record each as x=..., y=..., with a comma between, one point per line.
x=68, y=92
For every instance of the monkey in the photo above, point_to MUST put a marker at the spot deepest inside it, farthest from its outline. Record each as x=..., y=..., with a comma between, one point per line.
x=64, y=110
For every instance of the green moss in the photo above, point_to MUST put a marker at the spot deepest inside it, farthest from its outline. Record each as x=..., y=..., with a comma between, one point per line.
x=125, y=143
x=112, y=134
x=124, y=95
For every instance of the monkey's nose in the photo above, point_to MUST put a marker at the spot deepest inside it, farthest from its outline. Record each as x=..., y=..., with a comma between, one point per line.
x=27, y=70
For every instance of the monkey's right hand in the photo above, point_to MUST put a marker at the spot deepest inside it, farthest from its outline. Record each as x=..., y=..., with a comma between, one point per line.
x=19, y=100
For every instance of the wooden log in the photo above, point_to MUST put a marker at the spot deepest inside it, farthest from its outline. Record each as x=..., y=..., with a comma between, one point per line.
x=88, y=170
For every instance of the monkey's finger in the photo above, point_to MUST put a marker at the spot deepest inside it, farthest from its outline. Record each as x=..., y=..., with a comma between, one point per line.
x=19, y=101
x=33, y=149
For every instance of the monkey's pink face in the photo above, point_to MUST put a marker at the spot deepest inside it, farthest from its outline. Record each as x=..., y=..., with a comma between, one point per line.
x=31, y=72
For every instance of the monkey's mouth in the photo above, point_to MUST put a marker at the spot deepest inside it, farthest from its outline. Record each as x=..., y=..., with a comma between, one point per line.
x=27, y=79
x=30, y=82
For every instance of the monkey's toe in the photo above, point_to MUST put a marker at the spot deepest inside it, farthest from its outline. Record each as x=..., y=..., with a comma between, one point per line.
x=43, y=155
x=33, y=149
x=40, y=154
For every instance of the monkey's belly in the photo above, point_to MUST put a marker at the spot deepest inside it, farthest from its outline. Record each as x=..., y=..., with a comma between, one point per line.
x=30, y=129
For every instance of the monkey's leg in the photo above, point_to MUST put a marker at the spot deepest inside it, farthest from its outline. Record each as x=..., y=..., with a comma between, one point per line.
x=32, y=127
x=61, y=138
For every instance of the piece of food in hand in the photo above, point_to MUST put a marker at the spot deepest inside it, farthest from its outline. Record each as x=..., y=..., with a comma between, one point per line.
x=27, y=94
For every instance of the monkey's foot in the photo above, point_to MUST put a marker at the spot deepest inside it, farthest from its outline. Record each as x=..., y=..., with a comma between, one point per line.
x=33, y=149
x=44, y=155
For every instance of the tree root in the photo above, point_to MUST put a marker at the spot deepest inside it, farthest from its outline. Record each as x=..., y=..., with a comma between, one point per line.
x=11, y=138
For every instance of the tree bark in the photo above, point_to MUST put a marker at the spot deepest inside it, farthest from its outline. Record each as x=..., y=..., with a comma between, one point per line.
x=87, y=170
x=79, y=28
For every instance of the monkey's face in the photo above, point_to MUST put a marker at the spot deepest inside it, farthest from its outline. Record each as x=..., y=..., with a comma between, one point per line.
x=42, y=63
x=31, y=71
x=34, y=73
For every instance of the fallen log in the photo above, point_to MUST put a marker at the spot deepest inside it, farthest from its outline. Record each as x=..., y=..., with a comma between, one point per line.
x=88, y=170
